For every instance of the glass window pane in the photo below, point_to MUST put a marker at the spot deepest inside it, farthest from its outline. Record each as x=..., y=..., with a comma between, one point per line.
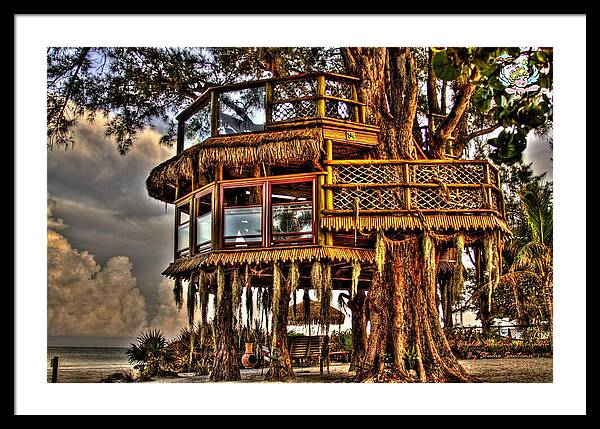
x=292, y=217
x=183, y=237
x=203, y=207
x=197, y=127
x=291, y=210
x=242, y=220
x=183, y=214
x=242, y=111
x=243, y=225
x=203, y=229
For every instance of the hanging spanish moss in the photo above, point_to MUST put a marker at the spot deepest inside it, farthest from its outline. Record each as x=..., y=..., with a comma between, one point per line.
x=191, y=298
x=203, y=296
x=236, y=290
x=491, y=269
x=249, y=300
x=294, y=279
x=355, y=276
x=178, y=293
x=458, y=281
x=316, y=278
x=306, y=305
x=326, y=295
x=220, y=284
x=429, y=267
x=379, y=250
x=277, y=278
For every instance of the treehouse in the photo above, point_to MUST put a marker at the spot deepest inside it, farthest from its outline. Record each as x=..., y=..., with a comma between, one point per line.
x=285, y=171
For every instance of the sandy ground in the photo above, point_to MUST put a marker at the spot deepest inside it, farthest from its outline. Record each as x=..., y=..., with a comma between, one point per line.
x=513, y=370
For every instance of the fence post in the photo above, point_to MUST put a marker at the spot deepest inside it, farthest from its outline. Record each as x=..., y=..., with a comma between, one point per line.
x=54, y=369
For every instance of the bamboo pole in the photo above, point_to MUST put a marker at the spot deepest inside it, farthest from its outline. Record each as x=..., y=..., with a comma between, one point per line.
x=268, y=101
x=329, y=182
x=407, y=191
x=214, y=113
x=403, y=211
x=321, y=95
x=404, y=185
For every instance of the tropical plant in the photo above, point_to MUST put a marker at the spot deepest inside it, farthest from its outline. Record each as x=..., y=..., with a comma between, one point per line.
x=149, y=352
x=532, y=247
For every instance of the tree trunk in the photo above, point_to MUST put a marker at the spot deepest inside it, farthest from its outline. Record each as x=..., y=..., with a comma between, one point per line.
x=390, y=88
x=225, y=367
x=447, y=298
x=281, y=362
x=359, y=330
x=416, y=338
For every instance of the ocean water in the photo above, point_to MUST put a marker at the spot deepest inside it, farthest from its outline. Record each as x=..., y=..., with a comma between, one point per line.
x=86, y=364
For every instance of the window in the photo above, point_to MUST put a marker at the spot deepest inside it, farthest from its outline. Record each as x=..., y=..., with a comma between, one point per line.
x=291, y=212
x=197, y=127
x=182, y=219
x=203, y=209
x=242, y=111
x=242, y=216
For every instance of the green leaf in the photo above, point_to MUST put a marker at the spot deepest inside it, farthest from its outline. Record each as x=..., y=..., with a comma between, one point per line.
x=482, y=99
x=443, y=68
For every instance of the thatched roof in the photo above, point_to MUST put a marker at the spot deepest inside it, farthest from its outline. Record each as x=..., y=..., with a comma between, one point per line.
x=445, y=222
x=269, y=147
x=183, y=266
x=336, y=317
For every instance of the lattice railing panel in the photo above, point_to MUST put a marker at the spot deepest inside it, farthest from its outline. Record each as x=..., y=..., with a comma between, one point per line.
x=338, y=89
x=458, y=173
x=384, y=173
x=453, y=198
x=289, y=89
x=339, y=110
x=368, y=199
x=496, y=201
x=293, y=110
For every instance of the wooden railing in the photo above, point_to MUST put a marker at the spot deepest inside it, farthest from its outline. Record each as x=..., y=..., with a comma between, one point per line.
x=382, y=187
x=269, y=104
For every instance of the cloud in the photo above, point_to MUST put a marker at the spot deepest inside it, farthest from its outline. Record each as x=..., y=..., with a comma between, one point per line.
x=102, y=196
x=86, y=299
x=168, y=318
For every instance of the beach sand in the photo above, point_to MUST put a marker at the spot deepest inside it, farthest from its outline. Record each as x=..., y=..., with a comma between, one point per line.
x=503, y=370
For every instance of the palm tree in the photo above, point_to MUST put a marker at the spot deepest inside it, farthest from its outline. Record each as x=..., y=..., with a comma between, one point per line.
x=531, y=247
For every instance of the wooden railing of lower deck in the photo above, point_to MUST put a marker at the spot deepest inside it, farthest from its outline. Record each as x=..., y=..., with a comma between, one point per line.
x=386, y=187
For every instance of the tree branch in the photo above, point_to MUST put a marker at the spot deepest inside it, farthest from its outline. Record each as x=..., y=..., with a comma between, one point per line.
x=482, y=132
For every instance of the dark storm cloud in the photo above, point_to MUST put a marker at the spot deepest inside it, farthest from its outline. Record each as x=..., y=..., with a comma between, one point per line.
x=101, y=195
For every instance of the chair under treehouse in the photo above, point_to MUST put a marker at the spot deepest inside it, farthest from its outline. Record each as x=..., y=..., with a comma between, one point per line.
x=284, y=172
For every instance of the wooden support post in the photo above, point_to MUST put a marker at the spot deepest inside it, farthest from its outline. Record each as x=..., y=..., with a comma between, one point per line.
x=487, y=194
x=329, y=181
x=180, y=136
x=214, y=113
x=54, y=369
x=216, y=216
x=176, y=229
x=268, y=99
x=192, y=227
x=356, y=109
x=321, y=94
x=320, y=207
x=407, y=190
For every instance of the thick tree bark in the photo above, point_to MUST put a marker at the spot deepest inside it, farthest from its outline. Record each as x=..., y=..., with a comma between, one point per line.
x=281, y=362
x=359, y=330
x=419, y=349
x=225, y=367
x=390, y=88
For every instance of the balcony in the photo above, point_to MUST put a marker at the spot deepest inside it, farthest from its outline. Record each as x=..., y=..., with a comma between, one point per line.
x=369, y=194
x=270, y=104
